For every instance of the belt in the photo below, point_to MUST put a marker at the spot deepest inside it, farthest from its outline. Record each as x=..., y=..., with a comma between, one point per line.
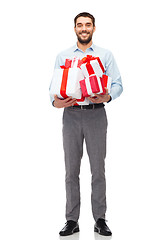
x=90, y=106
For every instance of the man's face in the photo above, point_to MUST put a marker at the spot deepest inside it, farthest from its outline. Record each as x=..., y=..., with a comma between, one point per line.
x=84, y=29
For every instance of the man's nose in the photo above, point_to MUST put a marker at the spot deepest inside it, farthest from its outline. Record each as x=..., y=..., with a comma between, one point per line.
x=83, y=27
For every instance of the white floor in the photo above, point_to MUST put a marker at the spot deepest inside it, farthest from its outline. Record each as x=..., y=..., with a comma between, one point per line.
x=84, y=235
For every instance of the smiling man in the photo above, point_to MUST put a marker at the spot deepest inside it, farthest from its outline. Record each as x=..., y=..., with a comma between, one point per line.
x=87, y=123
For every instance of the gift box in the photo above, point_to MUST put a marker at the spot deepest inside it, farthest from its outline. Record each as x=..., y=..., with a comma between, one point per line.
x=92, y=65
x=92, y=84
x=65, y=83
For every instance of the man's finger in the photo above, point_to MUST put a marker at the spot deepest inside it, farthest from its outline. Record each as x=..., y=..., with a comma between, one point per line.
x=92, y=99
x=68, y=99
x=71, y=102
x=106, y=91
x=97, y=95
x=55, y=97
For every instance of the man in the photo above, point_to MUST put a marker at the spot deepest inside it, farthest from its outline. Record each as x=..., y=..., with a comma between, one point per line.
x=90, y=123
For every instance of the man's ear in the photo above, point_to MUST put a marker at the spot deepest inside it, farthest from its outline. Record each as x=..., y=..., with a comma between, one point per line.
x=94, y=28
x=75, y=29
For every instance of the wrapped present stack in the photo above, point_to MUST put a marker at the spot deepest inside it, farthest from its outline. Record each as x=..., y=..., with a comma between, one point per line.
x=65, y=82
x=80, y=79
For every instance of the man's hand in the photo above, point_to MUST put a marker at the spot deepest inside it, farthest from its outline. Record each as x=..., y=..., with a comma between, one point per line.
x=62, y=103
x=100, y=98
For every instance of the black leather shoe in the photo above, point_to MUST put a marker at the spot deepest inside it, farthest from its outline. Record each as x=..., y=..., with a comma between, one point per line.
x=102, y=228
x=70, y=228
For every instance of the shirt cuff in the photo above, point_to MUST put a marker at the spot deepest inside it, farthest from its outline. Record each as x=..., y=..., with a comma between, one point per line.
x=53, y=103
x=109, y=99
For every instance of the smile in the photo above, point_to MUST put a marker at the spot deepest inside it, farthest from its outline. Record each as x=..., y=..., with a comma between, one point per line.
x=84, y=34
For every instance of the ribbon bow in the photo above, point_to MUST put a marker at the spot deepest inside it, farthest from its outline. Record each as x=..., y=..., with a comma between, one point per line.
x=69, y=63
x=88, y=58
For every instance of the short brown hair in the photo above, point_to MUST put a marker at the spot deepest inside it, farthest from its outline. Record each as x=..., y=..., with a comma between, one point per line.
x=84, y=14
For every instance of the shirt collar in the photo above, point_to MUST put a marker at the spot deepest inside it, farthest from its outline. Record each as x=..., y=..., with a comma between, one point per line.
x=75, y=47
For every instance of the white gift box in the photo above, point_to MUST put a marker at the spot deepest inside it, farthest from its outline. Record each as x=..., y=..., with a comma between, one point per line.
x=65, y=83
x=94, y=67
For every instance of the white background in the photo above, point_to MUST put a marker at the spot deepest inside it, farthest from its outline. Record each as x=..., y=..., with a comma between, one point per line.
x=32, y=201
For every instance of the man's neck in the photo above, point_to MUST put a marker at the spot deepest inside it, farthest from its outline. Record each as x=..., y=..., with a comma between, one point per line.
x=83, y=47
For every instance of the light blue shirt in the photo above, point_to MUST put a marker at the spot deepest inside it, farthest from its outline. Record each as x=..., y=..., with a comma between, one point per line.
x=106, y=58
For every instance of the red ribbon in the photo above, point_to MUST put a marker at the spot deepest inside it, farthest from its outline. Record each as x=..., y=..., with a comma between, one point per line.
x=105, y=80
x=63, y=67
x=94, y=84
x=83, y=88
x=64, y=83
x=100, y=63
x=68, y=63
x=80, y=100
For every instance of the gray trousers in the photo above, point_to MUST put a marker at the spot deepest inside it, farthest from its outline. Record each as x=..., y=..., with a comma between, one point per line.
x=91, y=125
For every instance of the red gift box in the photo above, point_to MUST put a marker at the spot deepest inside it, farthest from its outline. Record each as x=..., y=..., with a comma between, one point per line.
x=92, y=84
